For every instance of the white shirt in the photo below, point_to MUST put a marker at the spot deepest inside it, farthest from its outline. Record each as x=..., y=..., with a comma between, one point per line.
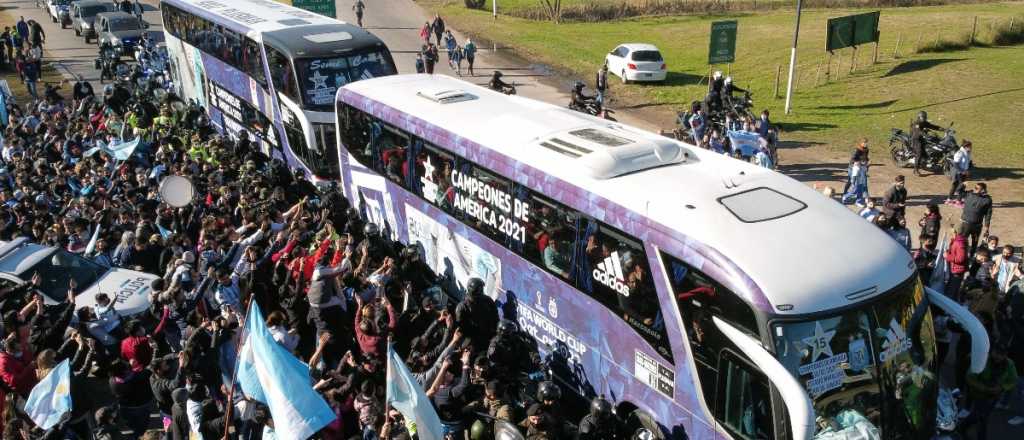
x=962, y=159
x=194, y=411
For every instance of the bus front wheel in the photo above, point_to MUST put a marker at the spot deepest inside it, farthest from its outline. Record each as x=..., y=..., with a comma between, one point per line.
x=641, y=426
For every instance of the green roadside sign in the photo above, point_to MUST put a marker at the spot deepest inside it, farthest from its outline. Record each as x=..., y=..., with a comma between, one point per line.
x=851, y=31
x=722, y=49
x=322, y=7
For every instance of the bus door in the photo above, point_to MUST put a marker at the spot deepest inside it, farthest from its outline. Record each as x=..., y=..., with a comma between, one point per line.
x=736, y=375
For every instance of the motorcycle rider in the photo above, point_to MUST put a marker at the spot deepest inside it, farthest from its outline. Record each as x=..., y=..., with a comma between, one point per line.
x=727, y=90
x=580, y=100
x=108, y=62
x=713, y=99
x=918, y=128
x=497, y=84
x=601, y=423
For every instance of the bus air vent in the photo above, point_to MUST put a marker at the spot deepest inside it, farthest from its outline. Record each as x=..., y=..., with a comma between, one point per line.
x=293, y=22
x=761, y=204
x=614, y=156
x=446, y=96
x=328, y=37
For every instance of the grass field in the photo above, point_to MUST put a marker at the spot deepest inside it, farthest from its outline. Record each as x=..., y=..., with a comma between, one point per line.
x=47, y=75
x=981, y=89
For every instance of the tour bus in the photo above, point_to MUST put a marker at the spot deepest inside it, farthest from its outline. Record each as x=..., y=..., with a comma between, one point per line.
x=271, y=70
x=704, y=296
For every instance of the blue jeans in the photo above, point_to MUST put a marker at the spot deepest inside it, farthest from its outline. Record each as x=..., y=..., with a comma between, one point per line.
x=31, y=85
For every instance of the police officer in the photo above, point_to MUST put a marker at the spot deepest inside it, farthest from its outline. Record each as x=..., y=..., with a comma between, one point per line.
x=509, y=352
x=918, y=128
x=475, y=315
x=601, y=423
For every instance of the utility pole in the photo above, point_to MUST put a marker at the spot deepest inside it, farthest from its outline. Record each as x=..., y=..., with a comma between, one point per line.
x=792, y=59
x=494, y=8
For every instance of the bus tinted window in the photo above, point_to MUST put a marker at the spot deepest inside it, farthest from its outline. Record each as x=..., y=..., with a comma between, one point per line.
x=551, y=235
x=281, y=73
x=483, y=200
x=616, y=273
x=433, y=178
x=225, y=44
x=322, y=77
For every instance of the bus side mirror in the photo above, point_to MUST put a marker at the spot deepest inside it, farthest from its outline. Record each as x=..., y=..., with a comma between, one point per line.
x=966, y=319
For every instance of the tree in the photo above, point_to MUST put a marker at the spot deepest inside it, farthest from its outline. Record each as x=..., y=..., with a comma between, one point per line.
x=553, y=8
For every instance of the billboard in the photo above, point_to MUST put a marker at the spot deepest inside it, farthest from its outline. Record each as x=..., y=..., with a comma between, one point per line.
x=851, y=31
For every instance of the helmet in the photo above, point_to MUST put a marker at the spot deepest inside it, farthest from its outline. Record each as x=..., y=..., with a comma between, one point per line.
x=475, y=286
x=717, y=74
x=497, y=74
x=410, y=251
x=549, y=390
x=600, y=408
x=352, y=212
x=728, y=80
x=577, y=86
x=506, y=327
x=479, y=431
x=922, y=116
x=371, y=230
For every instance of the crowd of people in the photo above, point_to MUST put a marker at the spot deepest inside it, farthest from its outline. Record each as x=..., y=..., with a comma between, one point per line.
x=976, y=269
x=336, y=291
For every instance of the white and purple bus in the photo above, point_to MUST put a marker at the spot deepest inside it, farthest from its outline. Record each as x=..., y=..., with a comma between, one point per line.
x=271, y=70
x=705, y=297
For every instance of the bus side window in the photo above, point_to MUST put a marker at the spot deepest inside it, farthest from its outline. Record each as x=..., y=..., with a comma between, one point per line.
x=390, y=147
x=433, y=176
x=744, y=400
x=355, y=133
x=700, y=298
x=281, y=73
x=252, y=61
x=550, y=234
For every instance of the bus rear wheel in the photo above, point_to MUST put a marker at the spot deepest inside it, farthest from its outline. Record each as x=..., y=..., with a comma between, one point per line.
x=641, y=426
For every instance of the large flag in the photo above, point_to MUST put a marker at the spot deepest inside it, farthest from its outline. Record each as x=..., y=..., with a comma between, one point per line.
x=119, y=150
x=92, y=241
x=51, y=397
x=938, y=279
x=746, y=142
x=268, y=373
x=406, y=395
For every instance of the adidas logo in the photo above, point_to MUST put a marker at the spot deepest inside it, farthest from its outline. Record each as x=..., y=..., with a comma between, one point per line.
x=609, y=273
x=896, y=342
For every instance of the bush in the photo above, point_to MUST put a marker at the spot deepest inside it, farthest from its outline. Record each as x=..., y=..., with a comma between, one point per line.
x=1005, y=36
x=474, y=4
x=961, y=42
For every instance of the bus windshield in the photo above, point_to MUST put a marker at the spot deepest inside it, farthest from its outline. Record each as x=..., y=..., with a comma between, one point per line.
x=864, y=369
x=322, y=77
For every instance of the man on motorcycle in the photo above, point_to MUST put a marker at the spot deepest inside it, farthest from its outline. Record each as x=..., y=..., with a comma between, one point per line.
x=580, y=100
x=497, y=84
x=713, y=101
x=727, y=90
x=108, y=62
x=918, y=129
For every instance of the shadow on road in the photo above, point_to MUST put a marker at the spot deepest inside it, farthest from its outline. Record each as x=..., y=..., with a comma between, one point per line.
x=809, y=172
x=919, y=65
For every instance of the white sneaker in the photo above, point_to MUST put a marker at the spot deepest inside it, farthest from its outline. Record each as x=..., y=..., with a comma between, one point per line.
x=1016, y=420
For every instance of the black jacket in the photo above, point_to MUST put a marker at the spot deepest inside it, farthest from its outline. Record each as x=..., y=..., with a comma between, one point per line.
x=977, y=209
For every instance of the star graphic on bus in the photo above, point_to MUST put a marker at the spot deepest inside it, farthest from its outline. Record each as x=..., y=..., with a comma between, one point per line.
x=319, y=81
x=820, y=341
x=428, y=170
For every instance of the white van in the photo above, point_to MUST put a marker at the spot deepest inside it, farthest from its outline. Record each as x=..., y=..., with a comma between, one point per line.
x=20, y=259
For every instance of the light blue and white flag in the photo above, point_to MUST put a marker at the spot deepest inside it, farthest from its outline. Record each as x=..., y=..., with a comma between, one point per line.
x=118, y=150
x=268, y=373
x=746, y=142
x=938, y=279
x=406, y=396
x=51, y=397
x=92, y=241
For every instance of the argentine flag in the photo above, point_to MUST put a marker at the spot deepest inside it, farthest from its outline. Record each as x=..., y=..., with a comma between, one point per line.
x=51, y=397
x=938, y=279
x=406, y=395
x=268, y=373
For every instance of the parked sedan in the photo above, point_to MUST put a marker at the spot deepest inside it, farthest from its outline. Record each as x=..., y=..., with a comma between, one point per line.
x=636, y=62
x=83, y=14
x=59, y=11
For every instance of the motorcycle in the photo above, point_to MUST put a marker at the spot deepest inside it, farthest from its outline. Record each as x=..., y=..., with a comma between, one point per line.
x=508, y=89
x=938, y=150
x=592, y=108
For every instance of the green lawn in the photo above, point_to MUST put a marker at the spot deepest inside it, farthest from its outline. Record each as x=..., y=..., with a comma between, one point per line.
x=981, y=89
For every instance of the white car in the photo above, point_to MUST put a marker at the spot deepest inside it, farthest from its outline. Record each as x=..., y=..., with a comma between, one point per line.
x=21, y=259
x=59, y=11
x=636, y=62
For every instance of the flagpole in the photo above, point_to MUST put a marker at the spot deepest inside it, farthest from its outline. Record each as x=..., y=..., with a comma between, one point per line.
x=234, y=369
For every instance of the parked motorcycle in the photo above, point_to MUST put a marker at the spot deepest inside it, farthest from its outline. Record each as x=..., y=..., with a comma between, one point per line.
x=508, y=89
x=938, y=150
x=592, y=108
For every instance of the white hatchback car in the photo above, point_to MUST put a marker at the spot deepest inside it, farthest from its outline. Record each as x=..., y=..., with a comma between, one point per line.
x=636, y=62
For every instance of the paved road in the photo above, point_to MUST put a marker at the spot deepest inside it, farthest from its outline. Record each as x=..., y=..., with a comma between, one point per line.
x=398, y=23
x=70, y=54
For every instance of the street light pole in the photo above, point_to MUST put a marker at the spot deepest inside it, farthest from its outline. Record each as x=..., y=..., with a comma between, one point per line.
x=494, y=7
x=792, y=59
